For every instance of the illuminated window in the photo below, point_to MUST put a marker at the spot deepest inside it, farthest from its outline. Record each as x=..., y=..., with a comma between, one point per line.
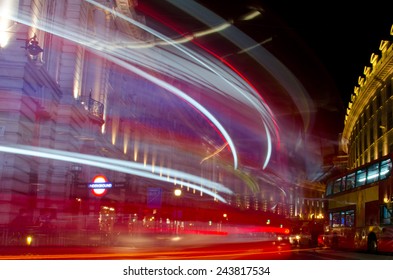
x=335, y=219
x=373, y=173
x=360, y=177
x=386, y=215
x=342, y=218
x=350, y=218
x=350, y=181
x=386, y=167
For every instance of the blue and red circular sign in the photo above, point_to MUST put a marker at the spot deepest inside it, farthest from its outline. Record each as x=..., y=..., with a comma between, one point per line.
x=100, y=185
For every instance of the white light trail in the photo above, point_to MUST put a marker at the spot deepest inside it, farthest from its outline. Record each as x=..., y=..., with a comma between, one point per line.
x=278, y=70
x=101, y=47
x=120, y=166
x=259, y=105
x=206, y=71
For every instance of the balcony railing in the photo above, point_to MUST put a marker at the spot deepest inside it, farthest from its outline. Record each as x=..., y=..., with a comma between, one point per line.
x=95, y=108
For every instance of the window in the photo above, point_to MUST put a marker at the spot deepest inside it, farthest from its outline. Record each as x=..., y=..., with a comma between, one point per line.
x=388, y=90
x=329, y=188
x=344, y=184
x=360, y=177
x=337, y=186
x=380, y=127
x=377, y=101
x=350, y=181
x=389, y=118
x=335, y=219
x=342, y=218
x=350, y=218
x=373, y=173
x=386, y=215
x=386, y=167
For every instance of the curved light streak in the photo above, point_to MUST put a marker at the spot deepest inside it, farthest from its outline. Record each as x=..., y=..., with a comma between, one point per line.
x=117, y=165
x=259, y=54
x=183, y=95
x=253, y=99
x=215, y=153
x=269, y=147
x=262, y=109
x=101, y=46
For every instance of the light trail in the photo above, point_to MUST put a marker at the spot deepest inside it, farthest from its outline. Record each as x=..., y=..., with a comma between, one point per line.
x=119, y=57
x=204, y=74
x=260, y=106
x=259, y=54
x=247, y=91
x=214, y=154
x=120, y=166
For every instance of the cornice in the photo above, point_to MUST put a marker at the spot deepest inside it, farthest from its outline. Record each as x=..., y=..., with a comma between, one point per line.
x=374, y=77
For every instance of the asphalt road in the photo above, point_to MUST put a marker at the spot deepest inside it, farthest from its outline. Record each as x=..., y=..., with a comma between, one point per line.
x=232, y=251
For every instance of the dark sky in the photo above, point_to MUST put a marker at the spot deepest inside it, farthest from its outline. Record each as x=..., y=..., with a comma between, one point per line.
x=342, y=36
x=326, y=44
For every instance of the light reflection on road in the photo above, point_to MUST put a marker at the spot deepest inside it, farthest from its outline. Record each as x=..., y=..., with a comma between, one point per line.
x=233, y=252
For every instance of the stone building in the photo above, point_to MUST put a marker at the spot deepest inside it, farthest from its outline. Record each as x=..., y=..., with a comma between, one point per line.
x=368, y=133
x=72, y=94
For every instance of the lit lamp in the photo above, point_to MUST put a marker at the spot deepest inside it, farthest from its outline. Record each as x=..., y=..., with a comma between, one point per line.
x=224, y=219
x=32, y=47
x=177, y=193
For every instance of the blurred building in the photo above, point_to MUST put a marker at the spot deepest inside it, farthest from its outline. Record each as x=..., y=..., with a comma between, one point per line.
x=368, y=129
x=58, y=92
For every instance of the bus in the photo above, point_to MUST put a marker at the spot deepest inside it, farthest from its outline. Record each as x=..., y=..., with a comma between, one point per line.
x=359, y=210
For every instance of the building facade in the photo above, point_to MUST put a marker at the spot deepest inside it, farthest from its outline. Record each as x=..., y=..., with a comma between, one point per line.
x=368, y=132
x=65, y=104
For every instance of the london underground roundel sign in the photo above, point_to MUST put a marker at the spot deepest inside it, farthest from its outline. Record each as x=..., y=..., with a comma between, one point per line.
x=100, y=185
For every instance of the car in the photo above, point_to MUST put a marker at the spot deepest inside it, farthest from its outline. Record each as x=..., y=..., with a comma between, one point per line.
x=300, y=239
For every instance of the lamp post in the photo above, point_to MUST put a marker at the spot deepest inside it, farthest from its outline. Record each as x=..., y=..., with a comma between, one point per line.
x=75, y=171
x=177, y=193
x=223, y=221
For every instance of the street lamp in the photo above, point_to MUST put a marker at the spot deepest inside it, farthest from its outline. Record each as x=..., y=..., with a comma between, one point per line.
x=177, y=193
x=32, y=47
x=223, y=221
x=75, y=170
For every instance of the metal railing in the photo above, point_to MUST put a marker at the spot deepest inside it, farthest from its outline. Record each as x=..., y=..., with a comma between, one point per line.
x=94, y=107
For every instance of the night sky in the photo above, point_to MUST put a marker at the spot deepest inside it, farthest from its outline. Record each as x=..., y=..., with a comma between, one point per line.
x=341, y=36
x=326, y=44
